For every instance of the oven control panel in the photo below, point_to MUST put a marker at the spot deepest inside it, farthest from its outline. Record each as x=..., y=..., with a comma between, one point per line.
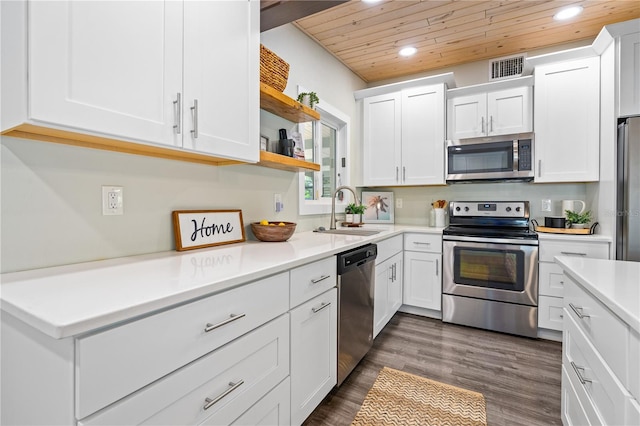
x=515, y=209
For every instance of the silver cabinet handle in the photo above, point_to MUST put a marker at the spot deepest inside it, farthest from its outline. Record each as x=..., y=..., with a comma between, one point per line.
x=194, y=113
x=177, y=106
x=209, y=327
x=577, y=370
x=420, y=243
x=321, y=307
x=539, y=168
x=482, y=129
x=404, y=174
x=210, y=402
x=437, y=268
x=322, y=278
x=573, y=253
x=393, y=272
x=397, y=171
x=578, y=311
x=491, y=123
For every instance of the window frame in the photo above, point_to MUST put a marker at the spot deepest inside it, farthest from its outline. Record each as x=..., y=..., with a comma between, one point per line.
x=340, y=121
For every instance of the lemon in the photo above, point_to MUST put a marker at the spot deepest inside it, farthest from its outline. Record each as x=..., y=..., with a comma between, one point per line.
x=264, y=222
x=281, y=224
x=272, y=224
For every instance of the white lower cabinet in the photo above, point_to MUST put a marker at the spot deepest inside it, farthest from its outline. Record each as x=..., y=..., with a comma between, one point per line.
x=423, y=271
x=388, y=291
x=551, y=278
x=313, y=353
x=597, y=387
x=215, y=389
x=273, y=409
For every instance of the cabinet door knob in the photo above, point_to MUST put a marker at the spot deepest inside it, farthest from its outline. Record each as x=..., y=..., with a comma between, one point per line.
x=194, y=113
x=579, y=374
x=177, y=110
x=210, y=327
x=578, y=311
x=322, y=278
x=209, y=402
x=321, y=307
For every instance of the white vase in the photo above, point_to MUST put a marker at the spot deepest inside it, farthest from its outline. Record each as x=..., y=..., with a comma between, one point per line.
x=579, y=225
x=306, y=100
x=357, y=218
x=348, y=218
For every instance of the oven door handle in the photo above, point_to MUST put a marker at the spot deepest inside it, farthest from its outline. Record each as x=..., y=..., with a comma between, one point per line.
x=519, y=242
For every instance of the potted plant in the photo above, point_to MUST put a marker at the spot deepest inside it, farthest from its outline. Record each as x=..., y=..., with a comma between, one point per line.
x=578, y=220
x=309, y=99
x=354, y=213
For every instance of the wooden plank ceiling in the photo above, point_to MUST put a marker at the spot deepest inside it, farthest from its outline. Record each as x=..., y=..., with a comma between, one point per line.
x=366, y=37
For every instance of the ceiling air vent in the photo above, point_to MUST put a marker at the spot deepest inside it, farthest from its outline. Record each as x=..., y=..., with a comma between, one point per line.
x=510, y=67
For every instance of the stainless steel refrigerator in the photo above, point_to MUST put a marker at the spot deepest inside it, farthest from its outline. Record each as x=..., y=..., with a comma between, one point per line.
x=628, y=194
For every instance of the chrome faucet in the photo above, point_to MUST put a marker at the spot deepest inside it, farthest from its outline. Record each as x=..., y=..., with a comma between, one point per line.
x=332, y=225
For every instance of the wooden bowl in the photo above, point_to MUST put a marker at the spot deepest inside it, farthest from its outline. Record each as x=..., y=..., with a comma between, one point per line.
x=273, y=233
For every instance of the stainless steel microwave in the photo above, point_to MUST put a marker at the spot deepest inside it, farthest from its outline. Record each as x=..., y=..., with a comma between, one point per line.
x=495, y=158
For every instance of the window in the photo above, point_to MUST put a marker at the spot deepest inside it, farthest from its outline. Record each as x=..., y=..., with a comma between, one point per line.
x=326, y=142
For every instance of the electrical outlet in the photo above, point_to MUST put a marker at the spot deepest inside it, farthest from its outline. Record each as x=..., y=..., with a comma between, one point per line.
x=112, y=200
x=398, y=203
x=546, y=205
x=277, y=203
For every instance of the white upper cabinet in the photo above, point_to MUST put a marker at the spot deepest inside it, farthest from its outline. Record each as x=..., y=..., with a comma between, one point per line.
x=221, y=76
x=108, y=67
x=496, y=112
x=404, y=135
x=382, y=139
x=133, y=71
x=567, y=129
x=423, y=138
x=630, y=74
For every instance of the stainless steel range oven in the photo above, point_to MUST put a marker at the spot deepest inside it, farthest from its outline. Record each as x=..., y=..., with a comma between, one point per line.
x=490, y=267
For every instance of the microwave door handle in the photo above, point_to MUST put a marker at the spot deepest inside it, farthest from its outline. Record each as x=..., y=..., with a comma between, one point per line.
x=516, y=165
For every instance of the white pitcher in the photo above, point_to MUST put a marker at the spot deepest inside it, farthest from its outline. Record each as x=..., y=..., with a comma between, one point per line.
x=571, y=205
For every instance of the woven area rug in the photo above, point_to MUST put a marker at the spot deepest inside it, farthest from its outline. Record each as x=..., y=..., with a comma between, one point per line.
x=398, y=398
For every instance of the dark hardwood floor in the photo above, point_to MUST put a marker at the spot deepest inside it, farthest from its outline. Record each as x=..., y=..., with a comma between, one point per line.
x=519, y=377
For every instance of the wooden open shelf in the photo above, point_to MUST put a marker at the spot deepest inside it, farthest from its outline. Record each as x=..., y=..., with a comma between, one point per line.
x=283, y=106
x=282, y=162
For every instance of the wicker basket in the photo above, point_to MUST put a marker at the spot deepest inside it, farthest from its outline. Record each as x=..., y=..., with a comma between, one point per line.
x=274, y=71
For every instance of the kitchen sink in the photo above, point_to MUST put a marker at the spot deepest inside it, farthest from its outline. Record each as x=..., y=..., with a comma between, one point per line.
x=360, y=232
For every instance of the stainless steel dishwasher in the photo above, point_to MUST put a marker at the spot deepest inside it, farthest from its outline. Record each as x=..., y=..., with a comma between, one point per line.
x=356, y=274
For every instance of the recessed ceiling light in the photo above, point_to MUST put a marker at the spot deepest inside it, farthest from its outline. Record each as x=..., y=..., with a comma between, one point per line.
x=408, y=51
x=567, y=13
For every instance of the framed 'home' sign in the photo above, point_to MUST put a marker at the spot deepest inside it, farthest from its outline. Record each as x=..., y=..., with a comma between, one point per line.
x=206, y=228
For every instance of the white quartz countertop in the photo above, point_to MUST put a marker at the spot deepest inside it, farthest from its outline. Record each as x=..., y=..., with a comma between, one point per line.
x=615, y=283
x=542, y=236
x=75, y=299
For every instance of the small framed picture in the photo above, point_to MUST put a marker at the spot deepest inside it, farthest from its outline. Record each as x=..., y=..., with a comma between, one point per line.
x=195, y=229
x=379, y=207
x=264, y=143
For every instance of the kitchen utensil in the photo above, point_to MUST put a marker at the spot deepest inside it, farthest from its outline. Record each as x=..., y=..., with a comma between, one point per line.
x=555, y=222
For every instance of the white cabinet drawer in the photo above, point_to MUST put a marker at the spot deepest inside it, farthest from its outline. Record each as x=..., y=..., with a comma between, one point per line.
x=587, y=370
x=388, y=248
x=550, y=249
x=606, y=332
x=550, y=313
x=634, y=365
x=229, y=380
x=576, y=408
x=310, y=280
x=272, y=410
x=551, y=279
x=117, y=362
x=423, y=242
